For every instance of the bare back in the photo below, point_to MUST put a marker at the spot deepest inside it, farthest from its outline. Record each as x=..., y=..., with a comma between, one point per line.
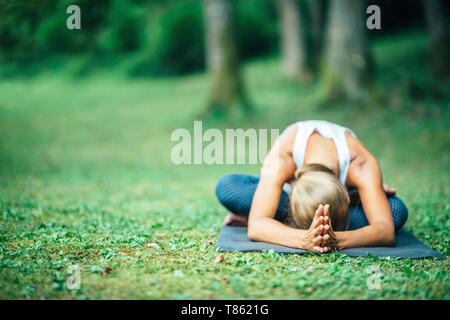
x=321, y=150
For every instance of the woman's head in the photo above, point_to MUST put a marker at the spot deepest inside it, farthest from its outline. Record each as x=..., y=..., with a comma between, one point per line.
x=316, y=184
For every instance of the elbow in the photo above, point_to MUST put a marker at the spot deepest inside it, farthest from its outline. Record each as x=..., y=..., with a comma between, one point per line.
x=252, y=234
x=252, y=231
x=390, y=240
x=387, y=235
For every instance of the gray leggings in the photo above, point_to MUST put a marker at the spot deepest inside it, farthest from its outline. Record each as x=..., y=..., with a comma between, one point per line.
x=235, y=192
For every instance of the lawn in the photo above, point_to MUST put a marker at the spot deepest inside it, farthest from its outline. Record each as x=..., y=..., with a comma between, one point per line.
x=86, y=179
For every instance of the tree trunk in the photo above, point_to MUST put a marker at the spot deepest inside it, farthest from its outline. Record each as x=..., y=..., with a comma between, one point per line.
x=347, y=67
x=317, y=9
x=222, y=56
x=293, y=50
x=438, y=27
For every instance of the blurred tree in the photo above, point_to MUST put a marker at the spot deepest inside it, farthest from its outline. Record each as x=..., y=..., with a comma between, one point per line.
x=123, y=28
x=178, y=48
x=347, y=66
x=256, y=26
x=437, y=22
x=222, y=57
x=317, y=9
x=293, y=42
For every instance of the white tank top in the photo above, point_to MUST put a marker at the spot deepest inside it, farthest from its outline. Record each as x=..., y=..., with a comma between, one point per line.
x=327, y=130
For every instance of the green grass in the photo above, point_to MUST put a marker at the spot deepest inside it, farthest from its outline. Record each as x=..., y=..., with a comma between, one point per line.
x=85, y=173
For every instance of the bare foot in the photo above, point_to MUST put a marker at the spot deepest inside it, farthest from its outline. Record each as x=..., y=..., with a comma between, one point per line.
x=233, y=219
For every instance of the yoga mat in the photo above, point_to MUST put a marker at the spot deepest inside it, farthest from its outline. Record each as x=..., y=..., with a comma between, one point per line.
x=407, y=246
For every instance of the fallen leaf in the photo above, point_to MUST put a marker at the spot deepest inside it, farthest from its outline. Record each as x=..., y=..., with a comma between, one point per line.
x=124, y=252
x=219, y=258
x=107, y=270
x=224, y=280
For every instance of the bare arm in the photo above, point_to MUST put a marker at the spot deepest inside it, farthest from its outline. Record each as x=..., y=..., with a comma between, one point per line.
x=366, y=176
x=278, y=168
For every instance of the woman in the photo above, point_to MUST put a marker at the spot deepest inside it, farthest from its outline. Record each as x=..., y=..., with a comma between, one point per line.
x=319, y=189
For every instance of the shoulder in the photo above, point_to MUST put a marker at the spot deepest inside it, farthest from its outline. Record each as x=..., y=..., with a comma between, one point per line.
x=358, y=151
x=290, y=130
x=279, y=162
x=364, y=168
x=285, y=141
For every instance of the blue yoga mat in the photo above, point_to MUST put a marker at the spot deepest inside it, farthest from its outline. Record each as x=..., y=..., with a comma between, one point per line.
x=406, y=246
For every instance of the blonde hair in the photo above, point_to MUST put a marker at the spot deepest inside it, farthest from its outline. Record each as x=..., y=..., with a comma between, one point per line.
x=316, y=184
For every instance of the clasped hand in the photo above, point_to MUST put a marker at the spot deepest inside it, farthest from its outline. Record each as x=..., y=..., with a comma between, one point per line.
x=320, y=236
